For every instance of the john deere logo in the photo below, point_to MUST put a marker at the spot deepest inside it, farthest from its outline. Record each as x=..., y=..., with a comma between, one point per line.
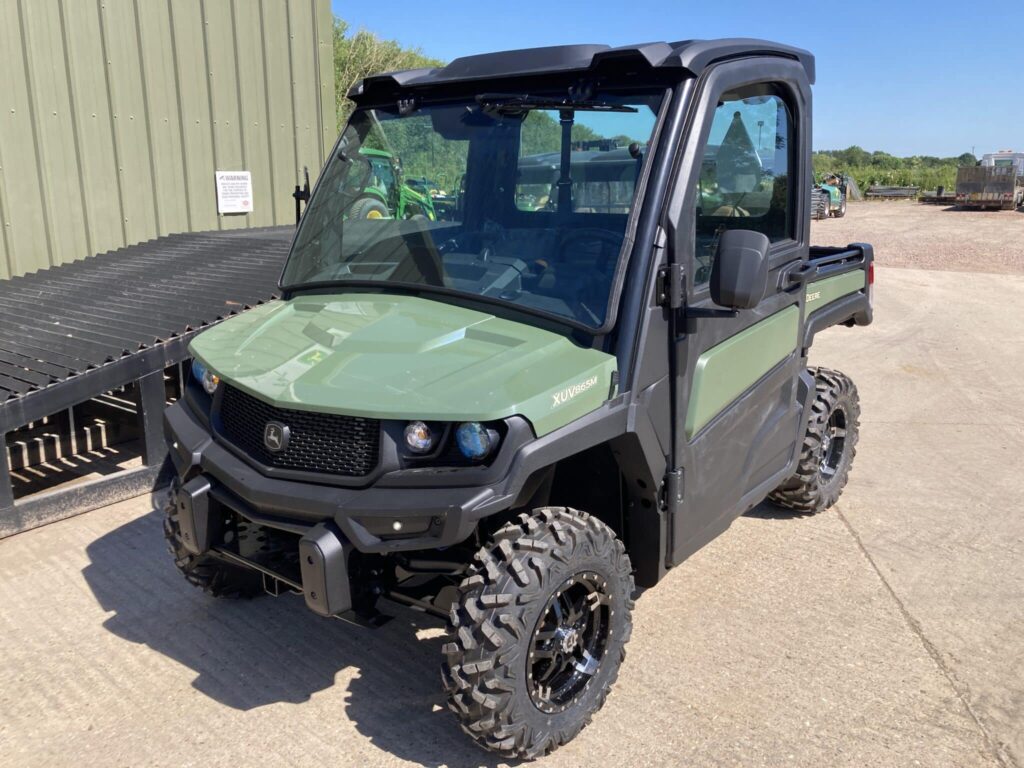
x=275, y=436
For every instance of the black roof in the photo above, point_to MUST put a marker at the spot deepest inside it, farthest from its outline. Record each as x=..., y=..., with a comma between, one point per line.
x=687, y=56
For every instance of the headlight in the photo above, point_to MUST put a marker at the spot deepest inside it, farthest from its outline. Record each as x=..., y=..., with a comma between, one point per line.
x=475, y=440
x=419, y=437
x=205, y=376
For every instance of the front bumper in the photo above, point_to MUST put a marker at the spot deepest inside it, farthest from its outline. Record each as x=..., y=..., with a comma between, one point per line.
x=322, y=551
x=430, y=517
x=327, y=522
x=333, y=523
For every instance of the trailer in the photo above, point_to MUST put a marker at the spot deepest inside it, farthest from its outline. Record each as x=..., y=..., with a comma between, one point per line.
x=996, y=182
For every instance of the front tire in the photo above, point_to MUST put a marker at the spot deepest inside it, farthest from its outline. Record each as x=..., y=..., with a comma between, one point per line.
x=206, y=572
x=841, y=210
x=539, y=632
x=830, y=443
x=819, y=205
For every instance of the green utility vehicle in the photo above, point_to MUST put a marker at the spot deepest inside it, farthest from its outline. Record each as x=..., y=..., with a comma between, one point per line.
x=512, y=418
x=829, y=196
x=387, y=193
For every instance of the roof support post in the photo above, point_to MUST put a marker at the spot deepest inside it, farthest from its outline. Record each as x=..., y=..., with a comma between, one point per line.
x=564, y=173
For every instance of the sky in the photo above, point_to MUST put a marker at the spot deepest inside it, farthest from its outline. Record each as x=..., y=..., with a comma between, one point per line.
x=908, y=78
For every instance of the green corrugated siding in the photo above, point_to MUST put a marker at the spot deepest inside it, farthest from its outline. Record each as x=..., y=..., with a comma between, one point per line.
x=115, y=114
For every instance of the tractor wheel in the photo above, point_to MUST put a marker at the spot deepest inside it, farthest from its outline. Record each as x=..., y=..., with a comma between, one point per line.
x=368, y=208
x=830, y=443
x=819, y=206
x=538, y=632
x=841, y=210
x=213, y=576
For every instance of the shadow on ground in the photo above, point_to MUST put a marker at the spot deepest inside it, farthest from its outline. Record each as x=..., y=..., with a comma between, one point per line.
x=768, y=511
x=248, y=654
x=253, y=653
x=962, y=209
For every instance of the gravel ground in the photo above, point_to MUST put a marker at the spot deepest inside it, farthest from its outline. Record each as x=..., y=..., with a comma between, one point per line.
x=909, y=234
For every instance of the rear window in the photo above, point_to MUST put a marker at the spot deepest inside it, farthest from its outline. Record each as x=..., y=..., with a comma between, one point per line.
x=607, y=151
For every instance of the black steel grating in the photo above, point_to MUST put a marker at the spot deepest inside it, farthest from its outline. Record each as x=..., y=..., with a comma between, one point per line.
x=319, y=442
x=60, y=323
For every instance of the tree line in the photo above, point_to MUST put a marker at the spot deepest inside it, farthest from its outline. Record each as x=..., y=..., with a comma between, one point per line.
x=361, y=53
x=882, y=169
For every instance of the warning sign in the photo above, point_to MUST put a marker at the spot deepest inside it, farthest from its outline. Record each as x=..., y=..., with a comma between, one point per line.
x=234, y=192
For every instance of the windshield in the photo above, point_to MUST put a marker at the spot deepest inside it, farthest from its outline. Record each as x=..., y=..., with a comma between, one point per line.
x=520, y=204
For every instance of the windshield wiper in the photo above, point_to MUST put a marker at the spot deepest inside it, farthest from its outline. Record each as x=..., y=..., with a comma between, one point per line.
x=514, y=104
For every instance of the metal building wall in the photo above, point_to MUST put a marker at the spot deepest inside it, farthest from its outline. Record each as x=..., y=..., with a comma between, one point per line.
x=114, y=115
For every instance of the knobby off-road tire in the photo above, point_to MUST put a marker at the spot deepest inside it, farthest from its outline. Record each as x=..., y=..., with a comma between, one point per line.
x=830, y=443
x=512, y=631
x=213, y=576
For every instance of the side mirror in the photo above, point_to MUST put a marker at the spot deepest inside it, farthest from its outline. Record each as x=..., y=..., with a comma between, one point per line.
x=739, y=276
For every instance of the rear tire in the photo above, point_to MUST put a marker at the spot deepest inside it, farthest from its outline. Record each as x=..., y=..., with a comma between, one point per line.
x=215, y=577
x=830, y=443
x=538, y=632
x=368, y=208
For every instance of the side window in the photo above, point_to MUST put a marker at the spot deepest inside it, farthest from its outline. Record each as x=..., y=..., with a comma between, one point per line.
x=744, y=179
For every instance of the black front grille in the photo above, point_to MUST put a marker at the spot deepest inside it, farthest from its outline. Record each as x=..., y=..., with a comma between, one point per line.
x=318, y=442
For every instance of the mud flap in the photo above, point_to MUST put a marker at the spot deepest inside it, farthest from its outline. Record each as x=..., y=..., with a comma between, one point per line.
x=323, y=559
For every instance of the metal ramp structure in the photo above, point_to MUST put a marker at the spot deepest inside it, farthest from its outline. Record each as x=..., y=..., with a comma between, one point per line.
x=109, y=335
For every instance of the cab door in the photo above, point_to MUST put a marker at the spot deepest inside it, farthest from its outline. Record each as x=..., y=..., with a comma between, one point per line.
x=740, y=380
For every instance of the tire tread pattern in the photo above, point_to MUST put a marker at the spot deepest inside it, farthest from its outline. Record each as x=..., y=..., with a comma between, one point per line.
x=215, y=578
x=490, y=633
x=805, y=492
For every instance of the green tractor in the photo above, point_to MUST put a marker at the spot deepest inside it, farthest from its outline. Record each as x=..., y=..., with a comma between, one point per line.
x=828, y=197
x=386, y=194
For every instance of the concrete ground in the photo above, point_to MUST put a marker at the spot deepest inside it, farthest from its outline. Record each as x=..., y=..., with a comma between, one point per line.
x=888, y=631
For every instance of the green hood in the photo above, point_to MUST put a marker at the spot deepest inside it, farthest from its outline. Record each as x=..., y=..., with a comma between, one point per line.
x=403, y=357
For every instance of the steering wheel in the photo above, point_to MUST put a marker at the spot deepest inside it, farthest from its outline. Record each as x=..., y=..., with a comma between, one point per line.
x=591, y=291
